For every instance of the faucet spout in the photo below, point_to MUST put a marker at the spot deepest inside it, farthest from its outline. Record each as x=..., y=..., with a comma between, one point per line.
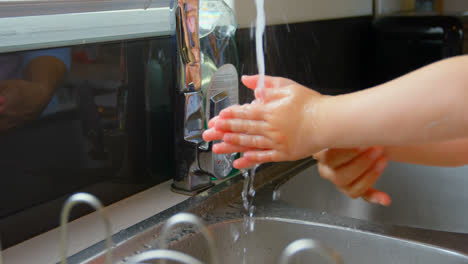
x=188, y=42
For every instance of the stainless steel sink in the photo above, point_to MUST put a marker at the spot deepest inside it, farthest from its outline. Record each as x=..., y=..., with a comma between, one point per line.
x=425, y=197
x=310, y=207
x=271, y=236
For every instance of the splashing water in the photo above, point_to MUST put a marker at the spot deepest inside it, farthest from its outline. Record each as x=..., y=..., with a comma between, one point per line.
x=245, y=202
x=276, y=195
x=259, y=31
x=248, y=195
x=235, y=233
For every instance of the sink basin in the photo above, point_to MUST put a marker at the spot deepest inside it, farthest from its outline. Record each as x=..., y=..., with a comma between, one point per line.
x=271, y=236
x=424, y=197
x=311, y=208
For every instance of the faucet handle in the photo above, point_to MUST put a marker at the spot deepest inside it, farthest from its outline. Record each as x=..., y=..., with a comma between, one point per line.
x=218, y=102
x=222, y=163
x=193, y=117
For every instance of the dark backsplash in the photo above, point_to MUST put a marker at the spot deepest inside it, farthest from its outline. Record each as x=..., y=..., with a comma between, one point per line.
x=346, y=55
x=330, y=56
x=107, y=131
x=408, y=42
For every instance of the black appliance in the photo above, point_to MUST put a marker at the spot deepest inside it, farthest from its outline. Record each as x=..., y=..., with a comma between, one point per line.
x=404, y=43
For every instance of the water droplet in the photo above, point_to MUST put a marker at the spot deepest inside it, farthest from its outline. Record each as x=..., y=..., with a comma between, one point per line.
x=252, y=192
x=248, y=194
x=251, y=211
x=252, y=225
x=246, y=222
x=246, y=205
x=235, y=233
x=244, y=258
x=276, y=195
x=244, y=195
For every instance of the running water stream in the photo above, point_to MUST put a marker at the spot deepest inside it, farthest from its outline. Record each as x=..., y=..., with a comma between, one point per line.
x=259, y=31
x=248, y=195
x=248, y=192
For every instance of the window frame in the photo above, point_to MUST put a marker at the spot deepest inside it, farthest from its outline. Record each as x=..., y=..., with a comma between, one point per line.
x=26, y=25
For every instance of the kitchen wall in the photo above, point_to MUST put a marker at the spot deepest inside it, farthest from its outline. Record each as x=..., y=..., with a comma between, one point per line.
x=294, y=11
x=392, y=6
x=456, y=6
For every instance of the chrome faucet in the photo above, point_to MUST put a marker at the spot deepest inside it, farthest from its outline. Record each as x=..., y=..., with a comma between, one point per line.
x=195, y=163
x=190, y=120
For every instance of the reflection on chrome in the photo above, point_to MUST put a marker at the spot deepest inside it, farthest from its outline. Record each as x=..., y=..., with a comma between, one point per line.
x=96, y=204
x=163, y=254
x=188, y=40
x=185, y=218
x=312, y=245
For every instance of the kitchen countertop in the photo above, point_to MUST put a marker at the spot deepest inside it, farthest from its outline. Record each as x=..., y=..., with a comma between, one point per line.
x=88, y=230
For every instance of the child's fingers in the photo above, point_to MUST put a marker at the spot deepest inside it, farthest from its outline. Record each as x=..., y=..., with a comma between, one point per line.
x=250, y=81
x=213, y=121
x=243, y=163
x=226, y=148
x=212, y=134
x=367, y=180
x=251, y=141
x=351, y=171
x=247, y=111
x=250, y=127
x=264, y=156
x=377, y=197
x=271, y=94
x=334, y=158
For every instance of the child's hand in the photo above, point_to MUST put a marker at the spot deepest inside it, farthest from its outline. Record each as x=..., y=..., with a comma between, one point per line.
x=282, y=128
x=355, y=171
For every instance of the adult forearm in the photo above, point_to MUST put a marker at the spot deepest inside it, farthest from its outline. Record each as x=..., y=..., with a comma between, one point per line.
x=47, y=71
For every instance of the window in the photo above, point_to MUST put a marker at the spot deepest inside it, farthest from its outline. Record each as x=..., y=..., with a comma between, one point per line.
x=40, y=24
